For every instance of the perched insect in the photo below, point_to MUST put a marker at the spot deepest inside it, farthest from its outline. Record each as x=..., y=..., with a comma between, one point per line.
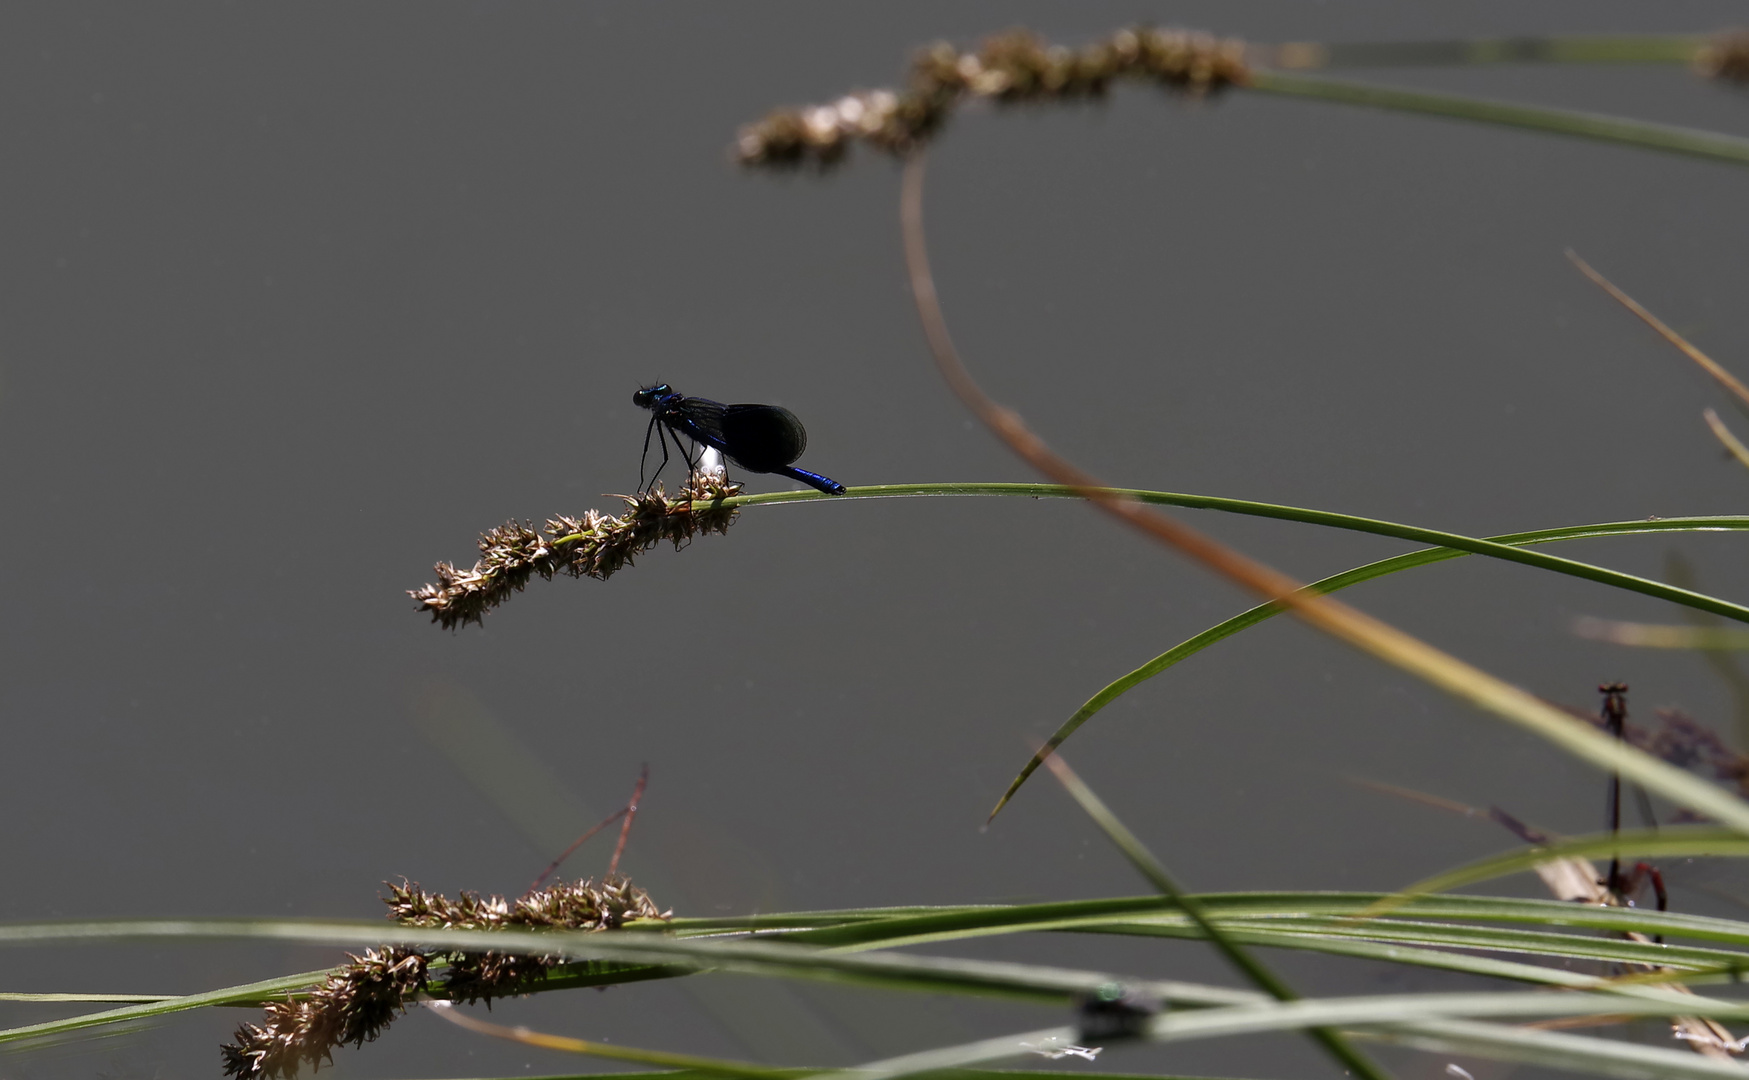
x=758, y=438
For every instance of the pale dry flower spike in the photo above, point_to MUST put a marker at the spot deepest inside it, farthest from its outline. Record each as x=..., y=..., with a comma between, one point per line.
x=1015, y=66
x=595, y=544
x=354, y=1004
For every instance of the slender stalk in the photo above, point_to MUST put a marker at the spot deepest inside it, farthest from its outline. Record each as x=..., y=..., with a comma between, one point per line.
x=1661, y=636
x=1463, y=681
x=1726, y=436
x=1498, y=548
x=1184, y=650
x=254, y=994
x=1614, y=129
x=135, y=999
x=1707, y=364
x=1683, y=841
x=1150, y=867
x=625, y=830
x=1588, y=49
x=660, y=1058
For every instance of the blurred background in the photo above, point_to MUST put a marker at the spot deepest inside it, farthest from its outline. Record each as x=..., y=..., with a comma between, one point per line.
x=298, y=300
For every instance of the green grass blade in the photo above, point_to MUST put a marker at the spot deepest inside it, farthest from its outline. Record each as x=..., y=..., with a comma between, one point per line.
x=1489, y=909
x=1111, y=913
x=1280, y=905
x=1651, y=843
x=1667, y=138
x=1026, y=982
x=1543, y=943
x=945, y=1074
x=1510, y=547
x=1557, y=1050
x=1244, y=620
x=1325, y=922
x=1345, y=1056
x=1000, y=1048
x=1383, y=951
x=1627, y=49
x=1428, y=1020
x=89, y=998
x=259, y=993
x=1417, y=1018
x=1383, y=938
x=567, y=977
x=246, y=994
x=919, y=973
x=1029, y=982
x=1411, y=1008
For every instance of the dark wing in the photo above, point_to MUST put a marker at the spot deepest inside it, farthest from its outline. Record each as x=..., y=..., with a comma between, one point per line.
x=699, y=419
x=762, y=438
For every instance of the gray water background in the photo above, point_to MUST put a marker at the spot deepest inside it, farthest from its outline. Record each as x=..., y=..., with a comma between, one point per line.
x=300, y=299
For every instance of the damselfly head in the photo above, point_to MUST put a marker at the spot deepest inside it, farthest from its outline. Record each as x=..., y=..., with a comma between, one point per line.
x=649, y=395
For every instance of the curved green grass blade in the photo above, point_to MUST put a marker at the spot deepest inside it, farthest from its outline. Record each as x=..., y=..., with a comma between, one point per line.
x=260, y=993
x=1000, y=1048
x=1463, y=681
x=1409, y=1008
x=89, y=998
x=1412, y=956
x=1113, y=913
x=1494, y=967
x=1186, y=649
x=1595, y=1056
x=1667, y=138
x=945, y=1074
x=1334, y=934
x=255, y=993
x=1324, y=923
x=1556, y=1050
x=1019, y=981
x=1030, y=982
x=1346, y=1057
x=1651, y=843
x=1583, y=49
x=1420, y=1019
x=1511, y=547
x=1488, y=909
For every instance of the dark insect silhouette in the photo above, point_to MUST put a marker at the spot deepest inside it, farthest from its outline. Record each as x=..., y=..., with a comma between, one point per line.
x=758, y=438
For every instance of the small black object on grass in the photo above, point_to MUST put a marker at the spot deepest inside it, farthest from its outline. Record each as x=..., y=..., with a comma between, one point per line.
x=1114, y=1011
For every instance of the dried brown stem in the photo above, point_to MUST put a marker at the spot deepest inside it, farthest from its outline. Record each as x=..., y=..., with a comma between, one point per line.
x=1708, y=364
x=577, y=843
x=625, y=831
